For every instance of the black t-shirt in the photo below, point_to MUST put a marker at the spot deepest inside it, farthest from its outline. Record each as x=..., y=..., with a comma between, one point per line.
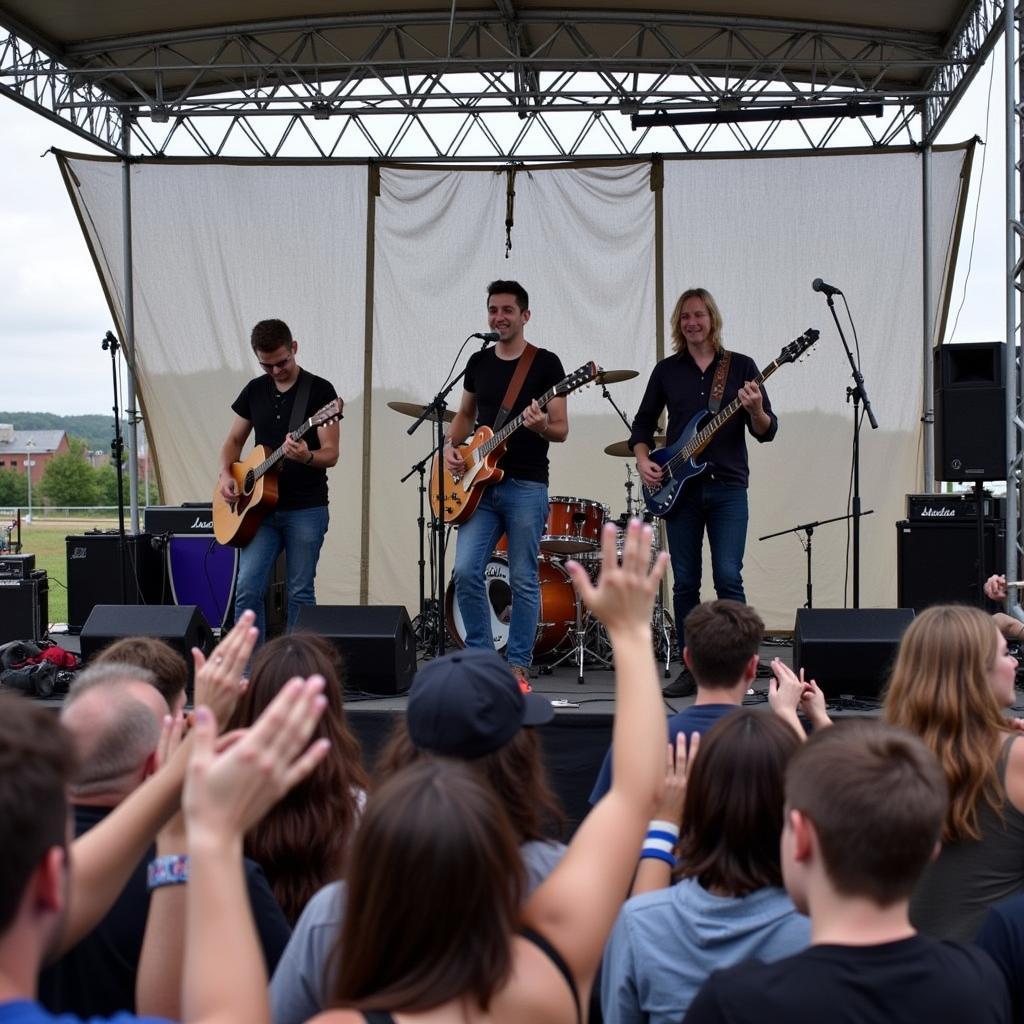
x=487, y=379
x=1002, y=937
x=97, y=977
x=913, y=980
x=270, y=411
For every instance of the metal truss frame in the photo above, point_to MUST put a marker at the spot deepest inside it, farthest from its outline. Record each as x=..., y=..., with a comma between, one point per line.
x=504, y=85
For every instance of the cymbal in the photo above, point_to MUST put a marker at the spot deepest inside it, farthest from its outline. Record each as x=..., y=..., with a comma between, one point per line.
x=621, y=448
x=414, y=410
x=615, y=376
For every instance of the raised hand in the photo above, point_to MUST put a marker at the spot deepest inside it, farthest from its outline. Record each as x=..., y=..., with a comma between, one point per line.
x=680, y=757
x=218, y=679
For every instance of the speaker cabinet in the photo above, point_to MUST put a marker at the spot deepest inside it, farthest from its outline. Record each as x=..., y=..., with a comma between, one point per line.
x=849, y=651
x=376, y=642
x=24, y=608
x=182, y=626
x=94, y=572
x=937, y=563
x=970, y=411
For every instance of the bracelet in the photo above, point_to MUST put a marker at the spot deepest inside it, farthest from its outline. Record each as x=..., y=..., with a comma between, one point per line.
x=171, y=870
x=309, y=461
x=660, y=842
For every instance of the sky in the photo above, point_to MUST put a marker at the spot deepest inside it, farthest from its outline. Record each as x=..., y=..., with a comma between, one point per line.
x=53, y=315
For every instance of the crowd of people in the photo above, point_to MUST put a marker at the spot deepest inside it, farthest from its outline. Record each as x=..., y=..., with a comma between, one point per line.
x=737, y=864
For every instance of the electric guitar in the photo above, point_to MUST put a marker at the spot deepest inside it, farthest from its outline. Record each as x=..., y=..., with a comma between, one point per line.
x=235, y=523
x=678, y=460
x=481, y=453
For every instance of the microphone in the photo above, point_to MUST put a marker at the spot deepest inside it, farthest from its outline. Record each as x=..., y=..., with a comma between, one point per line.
x=820, y=286
x=487, y=336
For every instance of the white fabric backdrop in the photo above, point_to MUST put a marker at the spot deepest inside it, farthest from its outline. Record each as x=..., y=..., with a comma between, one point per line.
x=219, y=246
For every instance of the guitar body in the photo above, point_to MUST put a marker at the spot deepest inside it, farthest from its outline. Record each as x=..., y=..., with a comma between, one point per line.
x=663, y=500
x=235, y=523
x=462, y=494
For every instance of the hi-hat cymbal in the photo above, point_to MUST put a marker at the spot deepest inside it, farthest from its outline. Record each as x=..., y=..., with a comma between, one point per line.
x=621, y=448
x=414, y=410
x=615, y=376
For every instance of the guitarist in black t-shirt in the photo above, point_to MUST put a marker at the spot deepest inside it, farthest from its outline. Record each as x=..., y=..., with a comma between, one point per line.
x=299, y=521
x=518, y=505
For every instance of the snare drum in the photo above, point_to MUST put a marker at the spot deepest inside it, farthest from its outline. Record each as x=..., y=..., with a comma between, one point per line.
x=557, y=606
x=574, y=525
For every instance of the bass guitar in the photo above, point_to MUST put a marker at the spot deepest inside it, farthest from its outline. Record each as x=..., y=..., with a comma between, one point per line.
x=678, y=460
x=235, y=522
x=481, y=453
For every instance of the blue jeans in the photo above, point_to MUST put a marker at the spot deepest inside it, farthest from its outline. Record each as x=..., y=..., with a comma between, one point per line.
x=518, y=508
x=721, y=509
x=300, y=532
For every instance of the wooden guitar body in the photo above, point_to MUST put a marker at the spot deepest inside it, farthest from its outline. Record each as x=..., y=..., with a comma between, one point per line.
x=236, y=523
x=462, y=494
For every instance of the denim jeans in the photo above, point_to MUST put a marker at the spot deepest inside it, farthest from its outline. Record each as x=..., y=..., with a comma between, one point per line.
x=300, y=532
x=518, y=508
x=721, y=509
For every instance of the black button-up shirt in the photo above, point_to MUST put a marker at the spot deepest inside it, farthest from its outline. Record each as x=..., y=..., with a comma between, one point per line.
x=678, y=384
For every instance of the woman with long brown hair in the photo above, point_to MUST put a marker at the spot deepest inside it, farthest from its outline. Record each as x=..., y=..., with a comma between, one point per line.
x=951, y=683
x=435, y=928
x=303, y=843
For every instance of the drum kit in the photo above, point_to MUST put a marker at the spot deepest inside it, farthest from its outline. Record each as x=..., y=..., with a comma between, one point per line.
x=566, y=631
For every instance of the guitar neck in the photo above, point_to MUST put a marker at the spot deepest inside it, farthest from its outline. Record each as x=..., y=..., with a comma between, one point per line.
x=703, y=437
x=512, y=426
x=276, y=456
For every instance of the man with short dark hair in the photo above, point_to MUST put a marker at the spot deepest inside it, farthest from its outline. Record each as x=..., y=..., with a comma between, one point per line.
x=864, y=809
x=722, y=643
x=299, y=521
x=169, y=668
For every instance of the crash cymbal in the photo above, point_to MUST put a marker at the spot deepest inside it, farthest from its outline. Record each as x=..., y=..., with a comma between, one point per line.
x=615, y=376
x=621, y=448
x=414, y=410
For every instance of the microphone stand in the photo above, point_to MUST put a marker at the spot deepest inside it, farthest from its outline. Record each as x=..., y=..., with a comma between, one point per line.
x=808, y=530
x=437, y=407
x=425, y=624
x=622, y=416
x=859, y=394
x=116, y=451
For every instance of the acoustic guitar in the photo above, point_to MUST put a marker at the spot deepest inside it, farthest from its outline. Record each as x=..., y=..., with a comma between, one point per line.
x=481, y=453
x=235, y=522
x=678, y=460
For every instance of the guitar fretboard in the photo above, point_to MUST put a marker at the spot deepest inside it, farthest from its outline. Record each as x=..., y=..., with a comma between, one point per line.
x=513, y=425
x=276, y=456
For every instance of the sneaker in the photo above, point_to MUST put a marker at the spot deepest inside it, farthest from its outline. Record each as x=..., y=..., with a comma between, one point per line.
x=522, y=677
x=684, y=685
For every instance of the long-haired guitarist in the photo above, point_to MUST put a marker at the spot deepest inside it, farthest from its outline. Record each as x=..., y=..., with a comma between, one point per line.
x=715, y=501
x=517, y=506
x=299, y=521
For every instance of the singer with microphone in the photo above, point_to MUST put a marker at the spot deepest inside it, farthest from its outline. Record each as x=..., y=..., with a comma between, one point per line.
x=500, y=383
x=703, y=377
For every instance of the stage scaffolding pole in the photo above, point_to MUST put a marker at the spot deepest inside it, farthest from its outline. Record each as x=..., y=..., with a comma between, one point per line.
x=128, y=341
x=927, y=321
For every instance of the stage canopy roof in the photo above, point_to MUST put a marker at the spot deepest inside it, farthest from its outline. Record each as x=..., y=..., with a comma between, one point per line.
x=495, y=79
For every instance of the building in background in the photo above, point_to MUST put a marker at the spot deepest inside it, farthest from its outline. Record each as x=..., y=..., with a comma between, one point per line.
x=19, y=446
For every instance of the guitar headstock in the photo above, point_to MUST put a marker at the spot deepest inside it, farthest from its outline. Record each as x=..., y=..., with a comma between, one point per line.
x=331, y=412
x=795, y=349
x=577, y=379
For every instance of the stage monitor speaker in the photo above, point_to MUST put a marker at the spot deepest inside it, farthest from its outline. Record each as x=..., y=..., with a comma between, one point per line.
x=23, y=608
x=182, y=626
x=849, y=651
x=970, y=411
x=937, y=563
x=93, y=574
x=376, y=642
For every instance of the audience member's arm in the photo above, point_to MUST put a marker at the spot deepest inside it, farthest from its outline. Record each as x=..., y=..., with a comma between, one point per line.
x=655, y=872
x=995, y=588
x=813, y=704
x=576, y=906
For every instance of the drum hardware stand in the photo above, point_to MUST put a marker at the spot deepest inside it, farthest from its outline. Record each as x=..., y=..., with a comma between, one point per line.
x=579, y=646
x=622, y=416
x=661, y=622
x=805, y=542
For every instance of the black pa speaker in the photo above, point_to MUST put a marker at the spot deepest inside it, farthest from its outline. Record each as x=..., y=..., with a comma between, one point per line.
x=376, y=642
x=937, y=563
x=849, y=651
x=970, y=411
x=182, y=626
x=23, y=608
x=93, y=572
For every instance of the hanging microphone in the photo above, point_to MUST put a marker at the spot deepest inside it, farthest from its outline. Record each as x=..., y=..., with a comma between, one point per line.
x=487, y=336
x=820, y=286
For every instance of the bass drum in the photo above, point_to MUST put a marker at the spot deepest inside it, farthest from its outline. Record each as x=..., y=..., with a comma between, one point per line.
x=557, y=606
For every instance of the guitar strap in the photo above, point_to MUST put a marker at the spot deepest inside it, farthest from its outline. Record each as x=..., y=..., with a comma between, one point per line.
x=718, y=382
x=515, y=385
x=302, y=400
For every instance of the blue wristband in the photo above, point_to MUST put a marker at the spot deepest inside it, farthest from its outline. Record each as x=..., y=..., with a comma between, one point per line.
x=172, y=870
x=652, y=854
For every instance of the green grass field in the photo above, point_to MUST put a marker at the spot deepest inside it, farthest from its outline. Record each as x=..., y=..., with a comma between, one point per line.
x=45, y=540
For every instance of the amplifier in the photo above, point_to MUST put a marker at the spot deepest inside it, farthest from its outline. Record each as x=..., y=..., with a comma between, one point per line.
x=953, y=508
x=17, y=567
x=180, y=520
x=24, y=608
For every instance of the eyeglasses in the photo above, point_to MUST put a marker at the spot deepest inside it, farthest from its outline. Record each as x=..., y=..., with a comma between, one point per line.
x=279, y=365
